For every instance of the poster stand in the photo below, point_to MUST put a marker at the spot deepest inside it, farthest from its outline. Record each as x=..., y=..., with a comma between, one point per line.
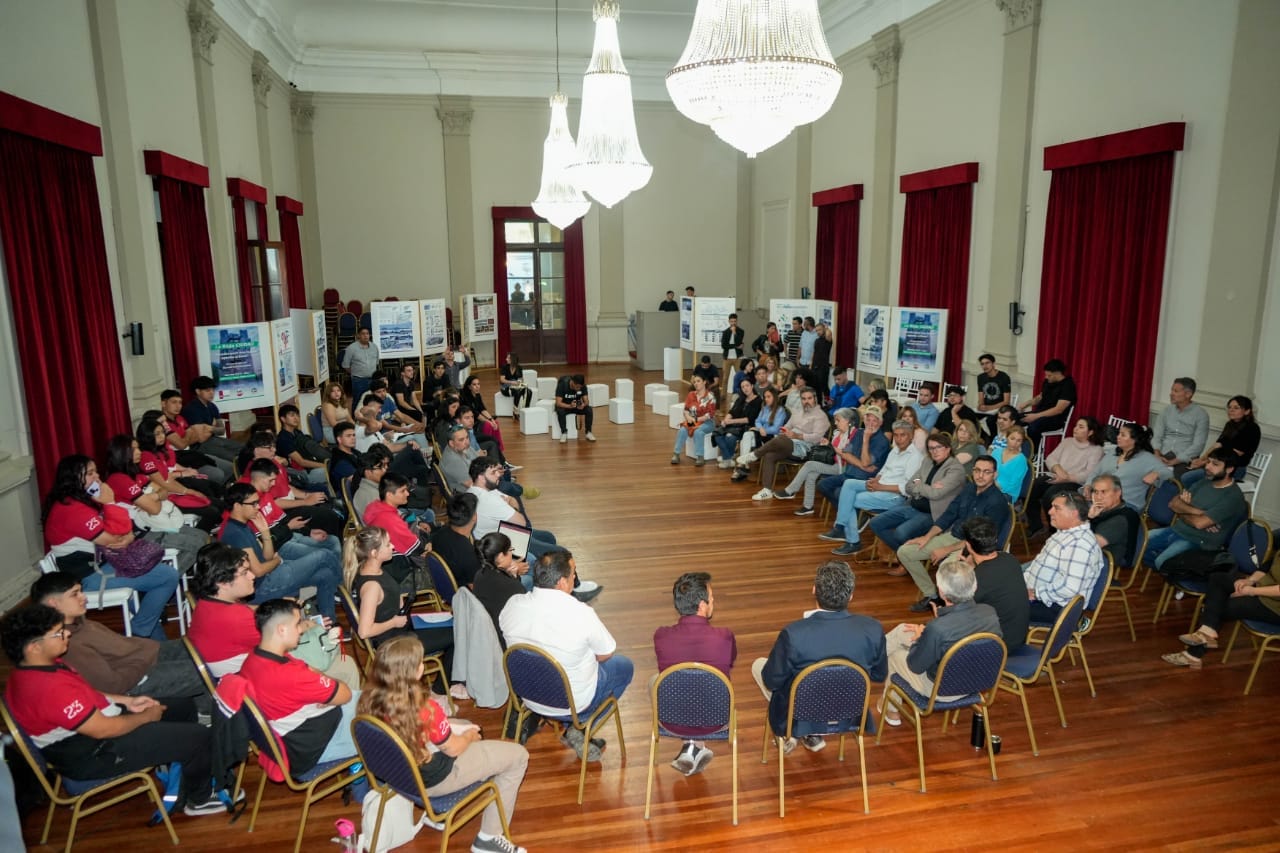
x=917, y=343
x=479, y=312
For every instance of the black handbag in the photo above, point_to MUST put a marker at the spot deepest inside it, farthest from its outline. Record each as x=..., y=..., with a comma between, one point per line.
x=822, y=453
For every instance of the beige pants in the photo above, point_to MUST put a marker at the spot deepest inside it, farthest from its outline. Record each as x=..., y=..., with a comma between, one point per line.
x=898, y=644
x=501, y=760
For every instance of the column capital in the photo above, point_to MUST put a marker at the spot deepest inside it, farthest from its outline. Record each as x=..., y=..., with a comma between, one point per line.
x=261, y=78
x=302, y=108
x=455, y=115
x=887, y=52
x=1019, y=14
x=204, y=25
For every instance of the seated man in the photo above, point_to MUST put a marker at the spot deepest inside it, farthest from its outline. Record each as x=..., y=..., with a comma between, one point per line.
x=1205, y=515
x=114, y=663
x=407, y=396
x=342, y=459
x=453, y=543
x=492, y=506
x=373, y=466
x=955, y=412
x=184, y=439
x=946, y=537
x=314, y=508
x=1047, y=410
x=302, y=452
x=456, y=456
x=831, y=631
x=1181, y=431
x=286, y=570
x=994, y=387
x=885, y=490
x=408, y=543
x=390, y=412
x=1069, y=563
x=551, y=619
x=1115, y=525
x=879, y=398
x=86, y=734
x=916, y=650
x=409, y=456
x=435, y=384
x=926, y=412
x=694, y=640
x=482, y=443
x=710, y=374
x=845, y=393
x=929, y=494
x=310, y=711
x=863, y=456
x=999, y=579
x=202, y=411
x=571, y=399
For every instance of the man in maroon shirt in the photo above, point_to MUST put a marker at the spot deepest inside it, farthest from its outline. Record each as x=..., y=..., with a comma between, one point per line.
x=694, y=640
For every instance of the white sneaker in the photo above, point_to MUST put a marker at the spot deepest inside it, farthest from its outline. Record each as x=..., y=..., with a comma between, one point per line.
x=564, y=438
x=591, y=436
x=746, y=459
x=724, y=464
x=763, y=495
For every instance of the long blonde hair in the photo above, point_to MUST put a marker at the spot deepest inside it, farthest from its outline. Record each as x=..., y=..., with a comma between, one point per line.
x=394, y=694
x=358, y=549
x=325, y=396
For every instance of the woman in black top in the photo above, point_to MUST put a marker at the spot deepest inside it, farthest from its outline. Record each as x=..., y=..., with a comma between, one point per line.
x=821, y=366
x=500, y=578
x=742, y=414
x=512, y=379
x=1241, y=435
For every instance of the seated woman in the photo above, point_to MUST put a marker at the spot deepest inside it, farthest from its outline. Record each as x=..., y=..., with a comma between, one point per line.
x=75, y=524
x=501, y=577
x=162, y=520
x=335, y=407
x=863, y=455
x=1240, y=435
x=190, y=490
x=802, y=432
x=450, y=755
x=1230, y=597
x=699, y=421
x=919, y=435
x=382, y=609
x=966, y=445
x=511, y=379
x=806, y=478
x=775, y=376
x=1012, y=467
x=446, y=415
x=746, y=370
x=1135, y=465
x=1006, y=418
x=770, y=420
x=743, y=413
x=1069, y=466
x=486, y=424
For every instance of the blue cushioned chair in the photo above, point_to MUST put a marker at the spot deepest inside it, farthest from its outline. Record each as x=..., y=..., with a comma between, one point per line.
x=535, y=676
x=442, y=577
x=1158, y=514
x=1249, y=547
x=1267, y=632
x=828, y=697
x=315, y=784
x=693, y=695
x=78, y=792
x=970, y=669
x=392, y=769
x=1026, y=664
x=1097, y=595
x=1122, y=587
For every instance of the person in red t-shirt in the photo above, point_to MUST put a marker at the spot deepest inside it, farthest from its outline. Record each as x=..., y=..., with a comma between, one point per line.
x=87, y=734
x=162, y=519
x=409, y=546
x=451, y=755
x=185, y=486
x=184, y=438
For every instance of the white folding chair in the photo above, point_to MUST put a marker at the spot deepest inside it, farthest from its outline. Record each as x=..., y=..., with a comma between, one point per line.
x=122, y=597
x=1060, y=433
x=1252, y=482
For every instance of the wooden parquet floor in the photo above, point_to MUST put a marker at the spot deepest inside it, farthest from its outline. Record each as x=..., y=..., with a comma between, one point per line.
x=1162, y=758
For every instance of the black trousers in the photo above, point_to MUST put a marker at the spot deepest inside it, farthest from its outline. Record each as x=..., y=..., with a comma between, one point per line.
x=1220, y=606
x=562, y=415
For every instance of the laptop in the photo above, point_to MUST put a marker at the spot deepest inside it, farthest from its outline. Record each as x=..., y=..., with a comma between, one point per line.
x=519, y=536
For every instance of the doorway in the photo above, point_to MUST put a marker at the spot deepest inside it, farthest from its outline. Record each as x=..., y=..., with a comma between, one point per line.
x=535, y=284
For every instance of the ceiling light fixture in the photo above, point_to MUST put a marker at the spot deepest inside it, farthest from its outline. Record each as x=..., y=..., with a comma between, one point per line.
x=559, y=201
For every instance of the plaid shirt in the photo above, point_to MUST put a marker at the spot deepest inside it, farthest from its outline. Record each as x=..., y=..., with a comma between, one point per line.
x=1068, y=565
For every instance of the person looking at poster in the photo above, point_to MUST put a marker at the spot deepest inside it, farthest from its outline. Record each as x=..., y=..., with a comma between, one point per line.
x=361, y=360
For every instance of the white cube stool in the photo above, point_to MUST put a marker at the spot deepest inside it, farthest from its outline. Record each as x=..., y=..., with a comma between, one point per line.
x=546, y=388
x=534, y=420
x=650, y=389
x=663, y=400
x=622, y=410
x=672, y=364
x=624, y=388
x=530, y=377
x=675, y=415
x=502, y=405
x=571, y=427
x=597, y=394
x=709, y=450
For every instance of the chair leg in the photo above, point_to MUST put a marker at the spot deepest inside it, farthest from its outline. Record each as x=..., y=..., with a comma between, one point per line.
x=862, y=772
x=582, y=774
x=622, y=744
x=734, y=753
x=257, y=801
x=164, y=813
x=653, y=760
x=48, y=820
x=1128, y=615
x=377, y=824
x=1057, y=697
x=1226, y=653
x=1166, y=593
x=782, y=779
x=991, y=750
x=1084, y=664
x=1026, y=715
x=75, y=818
x=919, y=724
x=1257, y=662
x=764, y=752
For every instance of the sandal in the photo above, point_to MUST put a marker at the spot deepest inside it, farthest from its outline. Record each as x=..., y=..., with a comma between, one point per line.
x=1199, y=638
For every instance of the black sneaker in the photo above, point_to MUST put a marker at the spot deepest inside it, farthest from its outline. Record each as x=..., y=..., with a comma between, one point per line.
x=924, y=604
x=803, y=511
x=783, y=495
x=739, y=474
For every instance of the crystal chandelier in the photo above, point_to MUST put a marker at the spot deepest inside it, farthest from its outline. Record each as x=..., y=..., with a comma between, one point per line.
x=753, y=70
x=610, y=164
x=559, y=201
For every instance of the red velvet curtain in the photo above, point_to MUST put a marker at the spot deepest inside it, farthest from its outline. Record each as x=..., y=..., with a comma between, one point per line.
x=1103, y=273
x=292, y=239
x=500, y=280
x=56, y=262
x=189, y=290
x=575, y=295
x=248, y=305
x=935, y=261
x=836, y=273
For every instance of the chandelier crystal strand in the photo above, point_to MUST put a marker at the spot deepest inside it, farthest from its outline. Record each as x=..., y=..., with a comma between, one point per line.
x=559, y=201
x=754, y=70
x=610, y=165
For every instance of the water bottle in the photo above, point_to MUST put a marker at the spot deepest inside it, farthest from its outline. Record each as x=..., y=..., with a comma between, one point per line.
x=346, y=834
x=977, y=732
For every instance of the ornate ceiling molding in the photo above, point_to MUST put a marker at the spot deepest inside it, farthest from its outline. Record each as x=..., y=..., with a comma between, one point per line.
x=886, y=55
x=1019, y=14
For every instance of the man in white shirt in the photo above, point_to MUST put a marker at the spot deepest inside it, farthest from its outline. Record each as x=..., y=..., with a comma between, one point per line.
x=1069, y=563
x=884, y=491
x=492, y=506
x=552, y=619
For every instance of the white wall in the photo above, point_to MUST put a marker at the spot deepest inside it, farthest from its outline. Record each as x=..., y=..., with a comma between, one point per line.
x=284, y=152
x=237, y=121
x=773, y=202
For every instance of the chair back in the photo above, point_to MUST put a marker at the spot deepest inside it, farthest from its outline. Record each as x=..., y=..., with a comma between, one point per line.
x=829, y=696
x=353, y=619
x=1024, y=495
x=535, y=676
x=1006, y=529
x=1158, y=511
x=1060, y=635
x=440, y=479
x=387, y=758
x=442, y=577
x=315, y=425
x=353, y=518
x=201, y=666
x=29, y=750
x=1099, y=592
x=970, y=666
x=1250, y=545
x=1255, y=471
x=692, y=695
x=262, y=736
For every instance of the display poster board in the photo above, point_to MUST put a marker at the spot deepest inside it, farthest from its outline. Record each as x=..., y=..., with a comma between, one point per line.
x=710, y=318
x=873, y=334
x=825, y=313
x=479, y=317
x=238, y=357
x=782, y=310
x=284, y=351
x=686, y=322
x=917, y=342
x=311, y=344
x=395, y=328
x=434, y=325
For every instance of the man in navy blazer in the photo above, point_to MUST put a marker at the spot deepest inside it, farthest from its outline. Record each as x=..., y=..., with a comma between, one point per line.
x=831, y=631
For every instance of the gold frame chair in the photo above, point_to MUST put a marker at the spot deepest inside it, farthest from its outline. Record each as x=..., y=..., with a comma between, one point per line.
x=658, y=732
x=1017, y=685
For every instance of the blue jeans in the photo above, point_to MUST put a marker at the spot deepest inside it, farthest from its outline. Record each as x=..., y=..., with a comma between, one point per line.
x=360, y=387
x=341, y=745
x=897, y=525
x=540, y=542
x=302, y=566
x=699, y=438
x=614, y=676
x=155, y=588
x=829, y=487
x=853, y=497
x=1163, y=544
x=728, y=444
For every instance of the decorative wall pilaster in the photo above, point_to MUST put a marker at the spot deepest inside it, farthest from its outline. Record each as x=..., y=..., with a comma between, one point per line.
x=612, y=322
x=260, y=73
x=885, y=56
x=455, y=115
x=302, y=110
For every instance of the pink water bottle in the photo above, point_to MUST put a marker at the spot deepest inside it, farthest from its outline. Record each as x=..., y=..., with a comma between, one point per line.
x=346, y=834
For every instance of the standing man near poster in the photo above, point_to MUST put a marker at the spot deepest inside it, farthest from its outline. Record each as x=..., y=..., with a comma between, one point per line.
x=361, y=360
x=731, y=342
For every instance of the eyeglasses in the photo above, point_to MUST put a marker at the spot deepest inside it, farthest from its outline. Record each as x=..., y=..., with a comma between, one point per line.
x=60, y=634
x=936, y=447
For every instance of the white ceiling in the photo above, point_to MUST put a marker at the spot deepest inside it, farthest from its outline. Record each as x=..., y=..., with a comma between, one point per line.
x=490, y=47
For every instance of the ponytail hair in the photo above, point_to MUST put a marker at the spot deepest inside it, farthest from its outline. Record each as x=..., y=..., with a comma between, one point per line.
x=358, y=549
